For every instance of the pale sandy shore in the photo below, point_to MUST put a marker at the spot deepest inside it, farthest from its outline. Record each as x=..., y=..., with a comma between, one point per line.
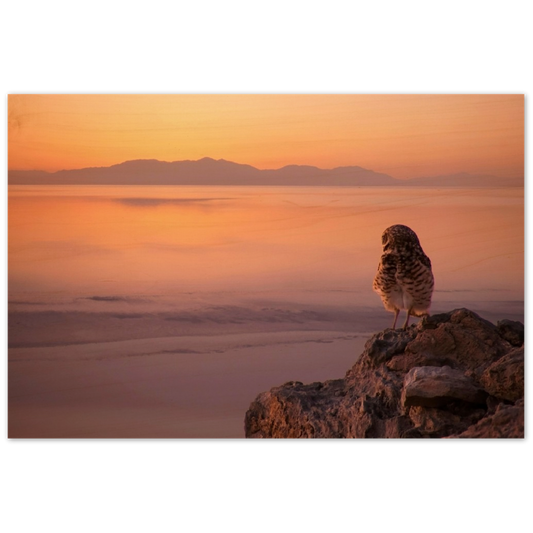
x=172, y=387
x=176, y=384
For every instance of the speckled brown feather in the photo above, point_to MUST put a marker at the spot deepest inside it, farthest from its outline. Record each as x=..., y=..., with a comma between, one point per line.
x=404, y=279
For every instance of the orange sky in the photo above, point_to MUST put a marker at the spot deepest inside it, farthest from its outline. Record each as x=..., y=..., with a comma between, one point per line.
x=401, y=135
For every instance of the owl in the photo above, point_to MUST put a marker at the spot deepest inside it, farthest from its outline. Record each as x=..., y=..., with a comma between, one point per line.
x=404, y=279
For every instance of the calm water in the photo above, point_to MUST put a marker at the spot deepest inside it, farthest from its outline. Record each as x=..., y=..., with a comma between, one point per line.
x=86, y=248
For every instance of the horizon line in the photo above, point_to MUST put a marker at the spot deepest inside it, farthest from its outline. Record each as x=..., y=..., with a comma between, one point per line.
x=185, y=161
x=256, y=168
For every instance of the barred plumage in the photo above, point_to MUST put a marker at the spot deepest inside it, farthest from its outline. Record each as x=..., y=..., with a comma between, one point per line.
x=404, y=279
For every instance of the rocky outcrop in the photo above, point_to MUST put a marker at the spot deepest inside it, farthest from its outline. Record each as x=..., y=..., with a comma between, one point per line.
x=451, y=375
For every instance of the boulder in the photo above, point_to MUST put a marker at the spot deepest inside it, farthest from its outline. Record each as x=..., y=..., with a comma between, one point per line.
x=505, y=377
x=434, y=386
x=451, y=375
x=512, y=331
x=506, y=422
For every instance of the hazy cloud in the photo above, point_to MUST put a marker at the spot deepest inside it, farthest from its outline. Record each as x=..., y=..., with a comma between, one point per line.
x=107, y=298
x=155, y=202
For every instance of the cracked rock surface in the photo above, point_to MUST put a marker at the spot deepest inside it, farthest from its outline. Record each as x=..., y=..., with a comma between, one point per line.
x=451, y=375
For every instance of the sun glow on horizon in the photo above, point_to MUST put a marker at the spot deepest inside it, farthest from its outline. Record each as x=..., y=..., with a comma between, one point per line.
x=401, y=135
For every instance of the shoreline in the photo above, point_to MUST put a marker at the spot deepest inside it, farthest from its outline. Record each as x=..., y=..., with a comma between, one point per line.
x=179, y=386
x=52, y=328
x=117, y=390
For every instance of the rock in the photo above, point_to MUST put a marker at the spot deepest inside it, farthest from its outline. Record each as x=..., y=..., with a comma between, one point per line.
x=313, y=408
x=506, y=422
x=512, y=331
x=505, y=377
x=451, y=375
x=464, y=341
x=434, y=386
x=384, y=345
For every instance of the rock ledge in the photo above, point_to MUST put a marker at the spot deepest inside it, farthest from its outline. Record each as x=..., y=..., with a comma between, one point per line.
x=451, y=375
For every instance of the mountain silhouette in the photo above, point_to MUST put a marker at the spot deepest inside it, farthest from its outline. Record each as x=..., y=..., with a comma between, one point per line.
x=208, y=171
x=205, y=171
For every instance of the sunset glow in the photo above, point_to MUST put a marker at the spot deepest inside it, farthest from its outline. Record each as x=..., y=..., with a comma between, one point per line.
x=401, y=135
x=157, y=300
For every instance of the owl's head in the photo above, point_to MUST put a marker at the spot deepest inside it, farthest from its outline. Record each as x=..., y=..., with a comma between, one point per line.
x=399, y=236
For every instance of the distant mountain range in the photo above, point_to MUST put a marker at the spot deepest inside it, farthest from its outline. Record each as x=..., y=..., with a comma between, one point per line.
x=209, y=171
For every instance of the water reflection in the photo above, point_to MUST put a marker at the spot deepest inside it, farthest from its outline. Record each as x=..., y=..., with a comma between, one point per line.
x=116, y=242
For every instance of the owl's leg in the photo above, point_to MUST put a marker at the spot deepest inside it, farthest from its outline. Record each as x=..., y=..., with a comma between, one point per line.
x=406, y=323
x=396, y=313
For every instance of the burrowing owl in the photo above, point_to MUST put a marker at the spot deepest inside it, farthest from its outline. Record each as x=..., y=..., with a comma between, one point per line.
x=404, y=279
